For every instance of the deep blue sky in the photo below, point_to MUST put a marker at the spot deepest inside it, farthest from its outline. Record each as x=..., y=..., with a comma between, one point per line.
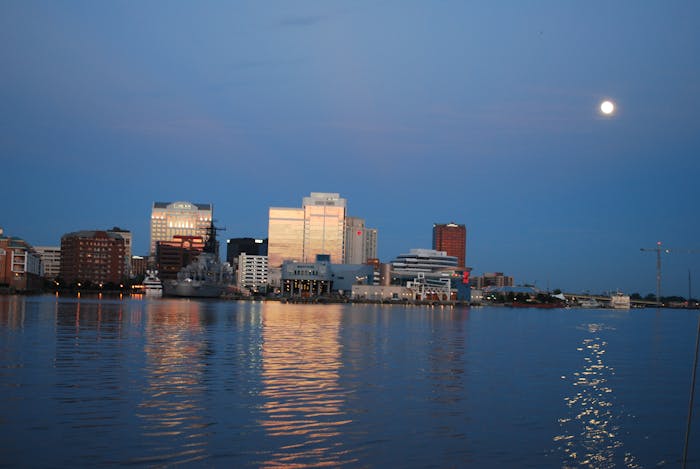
x=482, y=113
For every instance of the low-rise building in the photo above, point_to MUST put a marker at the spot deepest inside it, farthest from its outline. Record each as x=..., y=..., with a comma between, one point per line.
x=20, y=265
x=492, y=279
x=252, y=273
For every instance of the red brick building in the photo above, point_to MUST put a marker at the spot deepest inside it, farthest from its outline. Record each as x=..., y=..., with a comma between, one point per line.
x=92, y=256
x=452, y=239
x=172, y=256
x=20, y=265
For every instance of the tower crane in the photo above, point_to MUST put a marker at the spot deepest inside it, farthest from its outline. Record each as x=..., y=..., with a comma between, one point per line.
x=659, y=250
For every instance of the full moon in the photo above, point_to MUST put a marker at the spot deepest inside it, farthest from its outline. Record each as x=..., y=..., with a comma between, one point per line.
x=607, y=107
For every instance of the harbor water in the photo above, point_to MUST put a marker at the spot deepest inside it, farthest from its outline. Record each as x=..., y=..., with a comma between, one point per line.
x=160, y=382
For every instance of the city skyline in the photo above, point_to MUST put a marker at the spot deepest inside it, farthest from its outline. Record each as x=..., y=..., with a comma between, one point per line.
x=488, y=115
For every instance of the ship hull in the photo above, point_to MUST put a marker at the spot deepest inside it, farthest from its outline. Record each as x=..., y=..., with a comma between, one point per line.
x=193, y=290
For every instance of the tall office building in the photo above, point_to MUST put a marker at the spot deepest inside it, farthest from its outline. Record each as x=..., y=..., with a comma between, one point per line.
x=324, y=226
x=285, y=235
x=300, y=234
x=169, y=219
x=452, y=239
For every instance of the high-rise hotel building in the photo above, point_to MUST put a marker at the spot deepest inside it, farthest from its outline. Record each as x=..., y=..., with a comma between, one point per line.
x=169, y=219
x=452, y=239
x=360, y=241
x=299, y=234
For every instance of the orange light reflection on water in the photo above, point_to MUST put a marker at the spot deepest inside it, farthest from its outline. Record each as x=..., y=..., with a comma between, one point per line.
x=300, y=372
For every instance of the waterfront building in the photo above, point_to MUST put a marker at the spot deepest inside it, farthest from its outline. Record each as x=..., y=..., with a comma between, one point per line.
x=309, y=279
x=237, y=246
x=306, y=279
x=360, y=241
x=92, y=256
x=285, y=235
x=170, y=219
x=432, y=274
x=126, y=234
x=492, y=279
x=20, y=265
x=50, y=261
x=451, y=238
x=139, y=265
x=299, y=234
x=324, y=226
x=345, y=276
x=320, y=226
x=423, y=260
x=252, y=272
x=382, y=293
x=172, y=256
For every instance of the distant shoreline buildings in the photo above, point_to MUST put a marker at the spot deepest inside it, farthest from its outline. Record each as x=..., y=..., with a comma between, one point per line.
x=315, y=248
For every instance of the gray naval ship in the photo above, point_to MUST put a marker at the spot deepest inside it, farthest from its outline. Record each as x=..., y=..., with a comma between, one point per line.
x=206, y=277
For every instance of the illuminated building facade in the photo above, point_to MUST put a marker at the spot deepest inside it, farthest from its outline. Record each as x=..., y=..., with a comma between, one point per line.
x=92, y=256
x=172, y=256
x=138, y=265
x=285, y=235
x=169, y=219
x=306, y=279
x=324, y=226
x=451, y=238
x=50, y=261
x=299, y=234
x=20, y=265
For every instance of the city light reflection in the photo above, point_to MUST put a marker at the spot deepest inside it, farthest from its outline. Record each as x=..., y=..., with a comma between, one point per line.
x=174, y=425
x=304, y=401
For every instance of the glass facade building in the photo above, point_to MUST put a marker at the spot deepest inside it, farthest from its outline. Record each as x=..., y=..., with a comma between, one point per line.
x=320, y=226
x=285, y=235
x=324, y=226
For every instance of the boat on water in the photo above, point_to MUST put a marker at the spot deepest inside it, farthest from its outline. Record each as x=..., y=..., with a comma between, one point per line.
x=205, y=277
x=590, y=303
x=620, y=301
x=152, y=286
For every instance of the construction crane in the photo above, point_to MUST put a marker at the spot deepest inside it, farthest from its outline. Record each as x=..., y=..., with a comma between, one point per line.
x=659, y=250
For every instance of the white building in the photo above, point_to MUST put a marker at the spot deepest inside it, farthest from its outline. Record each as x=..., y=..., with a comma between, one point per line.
x=252, y=272
x=50, y=260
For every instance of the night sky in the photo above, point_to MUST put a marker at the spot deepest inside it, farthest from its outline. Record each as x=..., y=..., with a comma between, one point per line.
x=481, y=113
